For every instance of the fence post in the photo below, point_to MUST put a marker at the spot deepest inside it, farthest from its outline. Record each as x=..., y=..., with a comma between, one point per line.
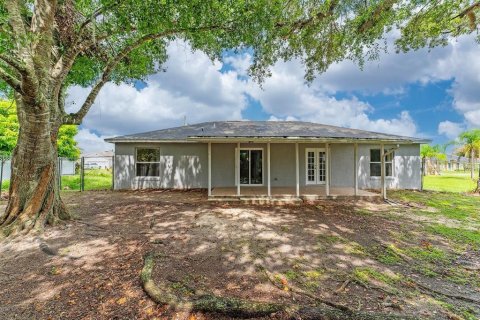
x=113, y=172
x=82, y=174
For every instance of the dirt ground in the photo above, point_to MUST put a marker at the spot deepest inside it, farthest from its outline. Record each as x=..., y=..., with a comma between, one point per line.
x=342, y=251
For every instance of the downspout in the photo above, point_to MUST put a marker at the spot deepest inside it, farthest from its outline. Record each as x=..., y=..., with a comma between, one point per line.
x=422, y=173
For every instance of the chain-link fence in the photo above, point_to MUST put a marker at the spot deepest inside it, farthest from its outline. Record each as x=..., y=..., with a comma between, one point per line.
x=86, y=173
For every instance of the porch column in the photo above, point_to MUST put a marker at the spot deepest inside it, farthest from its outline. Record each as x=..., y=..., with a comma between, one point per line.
x=382, y=172
x=355, y=168
x=209, y=169
x=268, y=170
x=327, y=169
x=237, y=161
x=297, y=172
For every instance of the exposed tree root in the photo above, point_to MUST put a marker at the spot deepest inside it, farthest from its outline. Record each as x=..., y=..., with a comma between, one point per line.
x=426, y=289
x=432, y=291
x=235, y=307
x=297, y=290
x=342, y=287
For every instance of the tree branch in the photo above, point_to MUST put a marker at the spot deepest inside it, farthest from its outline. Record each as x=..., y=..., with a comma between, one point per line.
x=301, y=24
x=15, y=19
x=11, y=80
x=76, y=118
x=14, y=64
x=96, y=14
x=468, y=10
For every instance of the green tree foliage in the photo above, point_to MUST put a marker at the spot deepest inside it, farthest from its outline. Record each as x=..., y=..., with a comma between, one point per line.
x=431, y=155
x=436, y=151
x=67, y=146
x=8, y=127
x=426, y=23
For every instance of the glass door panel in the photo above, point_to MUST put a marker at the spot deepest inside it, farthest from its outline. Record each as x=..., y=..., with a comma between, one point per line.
x=256, y=176
x=311, y=166
x=321, y=167
x=244, y=167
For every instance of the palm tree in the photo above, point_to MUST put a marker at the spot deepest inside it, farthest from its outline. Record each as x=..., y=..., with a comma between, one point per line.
x=470, y=141
x=436, y=152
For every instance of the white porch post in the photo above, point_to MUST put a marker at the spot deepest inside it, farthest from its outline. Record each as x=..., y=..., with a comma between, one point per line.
x=209, y=169
x=382, y=171
x=355, y=167
x=297, y=172
x=268, y=170
x=327, y=169
x=237, y=161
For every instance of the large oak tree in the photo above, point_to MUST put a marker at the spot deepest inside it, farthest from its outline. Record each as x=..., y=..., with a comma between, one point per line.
x=48, y=45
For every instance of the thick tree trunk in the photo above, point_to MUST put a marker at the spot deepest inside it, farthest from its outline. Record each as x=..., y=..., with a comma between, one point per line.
x=34, y=193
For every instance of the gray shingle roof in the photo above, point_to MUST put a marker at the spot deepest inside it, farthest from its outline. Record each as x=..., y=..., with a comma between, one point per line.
x=259, y=129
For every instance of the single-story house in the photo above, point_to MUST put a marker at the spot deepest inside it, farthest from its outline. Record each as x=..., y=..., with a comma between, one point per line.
x=98, y=160
x=234, y=159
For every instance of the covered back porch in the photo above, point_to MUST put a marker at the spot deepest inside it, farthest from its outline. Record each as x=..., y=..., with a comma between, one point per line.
x=296, y=170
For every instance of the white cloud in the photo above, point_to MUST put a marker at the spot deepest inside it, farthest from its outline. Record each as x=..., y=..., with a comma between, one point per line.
x=90, y=142
x=450, y=129
x=196, y=87
x=285, y=95
x=391, y=73
x=240, y=63
x=193, y=87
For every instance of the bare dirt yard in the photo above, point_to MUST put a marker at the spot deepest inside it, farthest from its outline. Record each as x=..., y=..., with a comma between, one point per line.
x=417, y=256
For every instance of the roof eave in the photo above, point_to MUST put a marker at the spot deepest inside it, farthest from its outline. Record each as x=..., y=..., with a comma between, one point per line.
x=269, y=139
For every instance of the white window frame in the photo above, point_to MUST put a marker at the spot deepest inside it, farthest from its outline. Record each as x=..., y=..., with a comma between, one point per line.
x=316, y=151
x=380, y=162
x=136, y=157
x=237, y=171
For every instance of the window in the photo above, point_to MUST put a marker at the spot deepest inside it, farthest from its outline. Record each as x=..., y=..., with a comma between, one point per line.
x=148, y=162
x=376, y=163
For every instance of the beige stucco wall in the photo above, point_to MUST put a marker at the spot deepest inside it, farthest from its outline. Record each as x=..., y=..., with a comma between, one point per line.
x=185, y=165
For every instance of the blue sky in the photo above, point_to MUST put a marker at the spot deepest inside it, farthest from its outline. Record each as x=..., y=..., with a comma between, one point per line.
x=431, y=94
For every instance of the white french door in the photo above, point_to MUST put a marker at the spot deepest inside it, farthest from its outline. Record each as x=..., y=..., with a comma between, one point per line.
x=316, y=165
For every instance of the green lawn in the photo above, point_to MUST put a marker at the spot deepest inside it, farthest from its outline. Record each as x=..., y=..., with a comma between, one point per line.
x=450, y=181
x=95, y=179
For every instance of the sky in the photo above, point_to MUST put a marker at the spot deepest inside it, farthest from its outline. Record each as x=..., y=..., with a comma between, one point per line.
x=432, y=94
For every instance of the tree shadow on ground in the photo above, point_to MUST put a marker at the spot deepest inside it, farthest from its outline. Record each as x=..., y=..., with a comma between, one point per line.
x=89, y=268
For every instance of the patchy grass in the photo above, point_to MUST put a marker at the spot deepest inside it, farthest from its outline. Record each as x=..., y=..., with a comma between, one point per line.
x=461, y=235
x=448, y=204
x=431, y=254
x=366, y=275
x=451, y=181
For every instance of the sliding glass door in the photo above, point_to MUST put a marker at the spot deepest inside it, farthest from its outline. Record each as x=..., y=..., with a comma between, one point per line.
x=251, y=166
